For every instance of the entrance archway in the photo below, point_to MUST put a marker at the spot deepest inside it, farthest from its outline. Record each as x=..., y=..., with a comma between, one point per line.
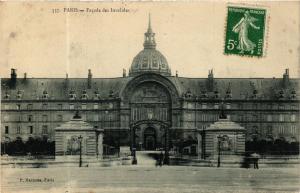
x=150, y=138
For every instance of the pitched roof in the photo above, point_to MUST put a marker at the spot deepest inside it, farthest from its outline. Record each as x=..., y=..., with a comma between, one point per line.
x=239, y=88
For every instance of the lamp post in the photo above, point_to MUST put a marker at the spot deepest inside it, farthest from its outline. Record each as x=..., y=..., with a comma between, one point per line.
x=166, y=160
x=203, y=143
x=133, y=149
x=80, y=158
x=219, y=150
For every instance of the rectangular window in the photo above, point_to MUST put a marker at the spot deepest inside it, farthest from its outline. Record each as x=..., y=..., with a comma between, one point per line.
x=59, y=106
x=45, y=118
x=269, y=130
x=203, y=117
x=18, y=130
x=281, y=118
x=95, y=117
x=5, y=118
x=240, y=117
x=83, y=106
x=6, y=107
x=269, y=106
x=45, y=129
x=6, y=129
x=216, y=106
x=281, y=130
x=95, y=106
x=281, y=107
x=254, y=106
x=269, y=118
x=228, y=106
x=240, y=106
x=44, y=106
x=29, y=107
x=30, y=118
x=71, y=106
x=59, y=117
x=203, y=106
x=30, y=128
x=293, y=130
x=293, y=118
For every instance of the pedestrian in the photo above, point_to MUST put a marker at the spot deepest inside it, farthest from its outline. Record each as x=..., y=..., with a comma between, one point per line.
x=256, y=163
x=255, y=158
x=161, y=157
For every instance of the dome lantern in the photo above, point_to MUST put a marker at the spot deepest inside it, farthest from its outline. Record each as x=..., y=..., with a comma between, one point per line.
x=149, y=59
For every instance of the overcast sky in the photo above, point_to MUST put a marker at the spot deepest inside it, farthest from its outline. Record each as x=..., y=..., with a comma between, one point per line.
x=190, y=35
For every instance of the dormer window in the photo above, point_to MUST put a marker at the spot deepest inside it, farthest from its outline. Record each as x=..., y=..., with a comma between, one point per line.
x=96, y=95
x=72, y=95
x=216, y=95
x=293, y=94
x=188, y=94
x=45, y=95
x=111, y=93
x=84, y=95
x=254, y=94
x=19, y=95
x=228, y=94
x=203, y=94
x=6, y=96
x=281, y=94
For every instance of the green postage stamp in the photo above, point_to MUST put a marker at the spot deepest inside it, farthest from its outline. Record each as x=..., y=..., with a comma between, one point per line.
x=245, y=30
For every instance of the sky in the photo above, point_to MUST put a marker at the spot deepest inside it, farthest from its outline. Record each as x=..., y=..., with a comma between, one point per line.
x=43, y=43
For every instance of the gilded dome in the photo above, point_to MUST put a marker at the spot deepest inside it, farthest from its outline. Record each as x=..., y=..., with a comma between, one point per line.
x=149, y=59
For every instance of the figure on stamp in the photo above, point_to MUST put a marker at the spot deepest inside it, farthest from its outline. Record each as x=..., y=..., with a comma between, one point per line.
x=242, y=27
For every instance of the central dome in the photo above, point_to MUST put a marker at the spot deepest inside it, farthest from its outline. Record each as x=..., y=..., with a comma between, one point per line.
x=149, y=59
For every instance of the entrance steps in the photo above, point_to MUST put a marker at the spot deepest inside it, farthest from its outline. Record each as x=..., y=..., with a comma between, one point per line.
x=146, y=158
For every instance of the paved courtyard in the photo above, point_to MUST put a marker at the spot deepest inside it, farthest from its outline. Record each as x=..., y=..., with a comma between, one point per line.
x=137, y=179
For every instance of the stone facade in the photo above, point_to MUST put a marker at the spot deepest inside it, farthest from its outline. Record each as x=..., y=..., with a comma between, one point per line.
x=69, y=135
x=230, y=135
x=147, y=101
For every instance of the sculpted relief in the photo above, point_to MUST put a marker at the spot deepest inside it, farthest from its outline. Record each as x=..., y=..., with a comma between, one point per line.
x=150, y=93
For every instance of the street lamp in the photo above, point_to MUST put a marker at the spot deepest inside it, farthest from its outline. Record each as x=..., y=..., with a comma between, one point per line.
x=133, y=149
x=166, y=160
x=80, y=153
x=203, y=143
x=220, y=138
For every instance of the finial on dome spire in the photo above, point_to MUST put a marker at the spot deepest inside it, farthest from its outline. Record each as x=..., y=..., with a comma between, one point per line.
x=149, y=42
x=149, y=24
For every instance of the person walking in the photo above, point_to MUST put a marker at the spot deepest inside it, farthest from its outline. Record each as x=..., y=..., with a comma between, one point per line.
x=255, y=158
x=161, y=157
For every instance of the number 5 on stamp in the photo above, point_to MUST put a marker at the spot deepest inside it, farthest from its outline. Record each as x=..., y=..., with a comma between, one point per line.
x=245, y=30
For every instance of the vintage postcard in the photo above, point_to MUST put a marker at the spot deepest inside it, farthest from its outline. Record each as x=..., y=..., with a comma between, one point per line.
x=140, y=97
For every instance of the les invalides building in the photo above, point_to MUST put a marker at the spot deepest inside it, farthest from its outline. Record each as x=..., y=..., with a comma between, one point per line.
x=151, y=109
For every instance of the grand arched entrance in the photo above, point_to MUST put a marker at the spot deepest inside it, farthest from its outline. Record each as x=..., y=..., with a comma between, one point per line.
x=150, y=138
x=148, y=103
x=150, y=106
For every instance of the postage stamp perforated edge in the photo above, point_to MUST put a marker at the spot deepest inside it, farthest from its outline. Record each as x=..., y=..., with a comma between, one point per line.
x=266, y=30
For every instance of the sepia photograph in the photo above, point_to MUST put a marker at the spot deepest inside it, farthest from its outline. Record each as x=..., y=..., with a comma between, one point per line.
x=150, y=96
